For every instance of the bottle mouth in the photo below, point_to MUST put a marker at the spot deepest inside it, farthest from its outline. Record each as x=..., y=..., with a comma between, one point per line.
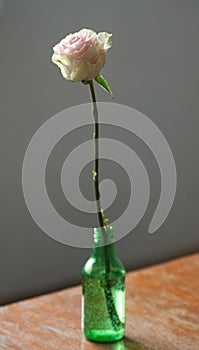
x=103, y=236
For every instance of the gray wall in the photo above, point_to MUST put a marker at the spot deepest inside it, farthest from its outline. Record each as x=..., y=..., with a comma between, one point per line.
x=152, y=67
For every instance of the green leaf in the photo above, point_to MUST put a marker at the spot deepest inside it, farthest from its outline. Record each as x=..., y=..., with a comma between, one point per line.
x=103, y=83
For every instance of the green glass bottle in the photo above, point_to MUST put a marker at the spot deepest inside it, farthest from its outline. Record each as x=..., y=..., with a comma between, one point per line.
x=103, y=295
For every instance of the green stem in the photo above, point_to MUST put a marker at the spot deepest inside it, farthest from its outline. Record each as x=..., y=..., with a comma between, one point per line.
x=96, y=157
x=116, y=323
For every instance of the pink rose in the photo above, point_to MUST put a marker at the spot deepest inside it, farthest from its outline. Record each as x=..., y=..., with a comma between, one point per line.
x=82, y=55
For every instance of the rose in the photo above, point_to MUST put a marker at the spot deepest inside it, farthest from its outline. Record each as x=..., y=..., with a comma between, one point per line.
x=82, y=55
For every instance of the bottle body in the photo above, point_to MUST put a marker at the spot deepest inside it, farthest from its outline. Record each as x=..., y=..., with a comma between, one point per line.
x=103, y=297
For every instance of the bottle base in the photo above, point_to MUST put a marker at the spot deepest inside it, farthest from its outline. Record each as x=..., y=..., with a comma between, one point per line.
x=104, y=336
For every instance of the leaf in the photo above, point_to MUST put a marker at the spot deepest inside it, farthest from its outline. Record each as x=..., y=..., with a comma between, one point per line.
x=103, y=83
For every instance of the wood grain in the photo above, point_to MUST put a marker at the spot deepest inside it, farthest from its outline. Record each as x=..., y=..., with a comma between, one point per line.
x=162, y=314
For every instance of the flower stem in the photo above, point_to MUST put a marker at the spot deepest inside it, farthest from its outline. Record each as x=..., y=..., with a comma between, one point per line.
x=116, y=323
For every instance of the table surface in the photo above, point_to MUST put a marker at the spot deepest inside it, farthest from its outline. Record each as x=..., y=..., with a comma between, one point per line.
x=162, y=313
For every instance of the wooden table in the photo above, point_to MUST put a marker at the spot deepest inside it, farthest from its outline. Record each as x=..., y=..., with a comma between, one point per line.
x=162, y=314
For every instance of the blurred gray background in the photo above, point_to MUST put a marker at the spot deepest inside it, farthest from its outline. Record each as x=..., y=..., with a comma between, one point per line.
x=152, y=67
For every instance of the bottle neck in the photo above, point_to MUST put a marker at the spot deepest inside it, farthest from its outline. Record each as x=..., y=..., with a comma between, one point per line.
x=102, y=238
